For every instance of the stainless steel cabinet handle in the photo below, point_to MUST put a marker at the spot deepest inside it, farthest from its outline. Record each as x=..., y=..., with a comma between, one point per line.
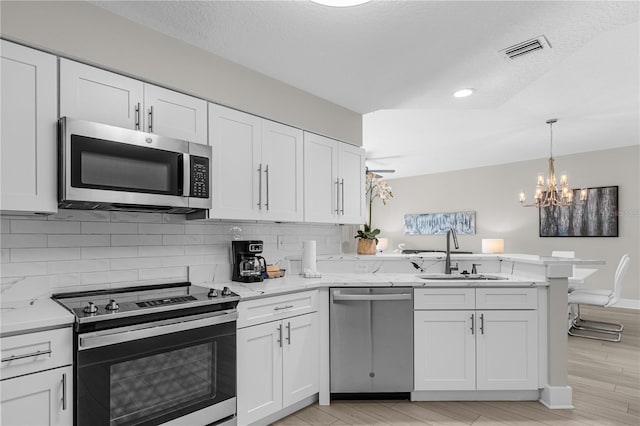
x=289, y=332
x=260, y=186
x=337, y=196
x=278, y=308
x=151, y=119
x=29, y=355
x=280, y=335
x=482, y=323
x=472, y=324
x=266, y=172
x=138, y=116
x=337, y=296
x=342, y=203
x=64, y=391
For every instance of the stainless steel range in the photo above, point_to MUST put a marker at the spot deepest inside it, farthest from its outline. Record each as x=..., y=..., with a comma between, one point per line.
x=151, y=355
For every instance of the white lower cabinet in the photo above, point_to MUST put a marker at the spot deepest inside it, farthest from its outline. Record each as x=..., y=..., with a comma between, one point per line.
x=278, y=363
x=37, y=379
x=42, y=399
x=463, y=349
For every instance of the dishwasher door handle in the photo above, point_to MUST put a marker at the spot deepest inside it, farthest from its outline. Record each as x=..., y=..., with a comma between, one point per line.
x=338, y=296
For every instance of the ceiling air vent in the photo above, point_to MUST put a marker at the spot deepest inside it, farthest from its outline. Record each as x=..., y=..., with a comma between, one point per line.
x=526, y=47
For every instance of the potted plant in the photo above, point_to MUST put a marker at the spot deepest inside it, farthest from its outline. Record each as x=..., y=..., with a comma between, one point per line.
x=368, y=237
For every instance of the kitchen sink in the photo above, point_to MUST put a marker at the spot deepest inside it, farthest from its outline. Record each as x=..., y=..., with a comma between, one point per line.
x=460, y=277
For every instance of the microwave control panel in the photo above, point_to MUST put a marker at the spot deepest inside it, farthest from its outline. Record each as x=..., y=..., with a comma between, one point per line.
x=199, y=177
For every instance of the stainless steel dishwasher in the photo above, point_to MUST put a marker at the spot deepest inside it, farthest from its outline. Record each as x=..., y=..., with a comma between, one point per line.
x=371, y=338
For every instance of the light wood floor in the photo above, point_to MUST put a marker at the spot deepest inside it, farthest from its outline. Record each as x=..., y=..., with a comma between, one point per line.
x=605, y=378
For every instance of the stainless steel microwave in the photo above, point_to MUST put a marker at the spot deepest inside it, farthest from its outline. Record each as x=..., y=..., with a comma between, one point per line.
x=104, y=167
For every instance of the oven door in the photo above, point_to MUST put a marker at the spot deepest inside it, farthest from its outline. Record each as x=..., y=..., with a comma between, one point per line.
x=149, y=374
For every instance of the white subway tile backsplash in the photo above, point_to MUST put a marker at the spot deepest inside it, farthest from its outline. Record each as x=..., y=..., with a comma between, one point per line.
x=67, y=266
x=44, y=254
x=5, y=225
x=182, y=260
x=153, y=228
x=136, y=217
x=136, y=263
x=80, y=215
x=23, y=240
x=136, y=240
x=146, y=251
x=79, y=250
x=109, y=228
x=180, y=240
x=78, y=240
x=22, y=226
x=177, y=272
x=24, y=269
x=109, y=252
x=92, y=278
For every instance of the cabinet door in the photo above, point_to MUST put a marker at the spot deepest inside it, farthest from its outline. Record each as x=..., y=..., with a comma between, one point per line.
x=42, y=399
x=300, y=377
x=259, y=371
x=28, y=136
x=320, y=179
x=282, y=181
x=175, y=114
x=92, y=94
x=352, y=182
x=235, y=139
x=507, y=350
x=444, y=350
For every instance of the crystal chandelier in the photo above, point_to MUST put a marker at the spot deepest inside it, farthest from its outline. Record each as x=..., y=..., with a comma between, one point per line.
x=553, y=194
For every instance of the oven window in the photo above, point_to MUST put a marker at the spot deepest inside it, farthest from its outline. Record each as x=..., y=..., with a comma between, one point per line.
x=161, y=383
x=114, y=166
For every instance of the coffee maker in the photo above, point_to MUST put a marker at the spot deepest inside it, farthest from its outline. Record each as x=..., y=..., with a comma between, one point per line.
x=248, y=266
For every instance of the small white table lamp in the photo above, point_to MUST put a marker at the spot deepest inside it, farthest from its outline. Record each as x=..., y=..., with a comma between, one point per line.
x=383, y=244
x=492, y=245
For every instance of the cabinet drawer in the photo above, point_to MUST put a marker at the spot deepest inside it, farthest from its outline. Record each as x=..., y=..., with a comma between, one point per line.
x=506, y=298
x=32, y=352
x=444, y=298
x=273, y=308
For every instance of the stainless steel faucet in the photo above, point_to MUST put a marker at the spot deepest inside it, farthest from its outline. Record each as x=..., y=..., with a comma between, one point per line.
x=447, y=260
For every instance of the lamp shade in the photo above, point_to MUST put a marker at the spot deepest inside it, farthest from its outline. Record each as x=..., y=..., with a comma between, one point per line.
x=492, y=245
x=383, y=244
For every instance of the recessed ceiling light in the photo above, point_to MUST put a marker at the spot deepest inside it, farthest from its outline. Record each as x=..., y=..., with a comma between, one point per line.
x=341, y=3
x=463, y=93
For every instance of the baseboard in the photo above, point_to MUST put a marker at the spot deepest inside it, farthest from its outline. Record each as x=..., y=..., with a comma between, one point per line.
x=474, y=395
x=627, y=304
x=557, y=397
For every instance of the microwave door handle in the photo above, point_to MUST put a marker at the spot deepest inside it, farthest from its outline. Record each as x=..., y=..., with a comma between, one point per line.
x=186, y=175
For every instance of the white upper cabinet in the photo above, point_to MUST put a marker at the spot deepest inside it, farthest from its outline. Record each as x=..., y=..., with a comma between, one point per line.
x=235, y=139
x=257, y=167
x=29, y=130
x=334, y=181
x=282, y=164
x=93, y=94
x=175, y=114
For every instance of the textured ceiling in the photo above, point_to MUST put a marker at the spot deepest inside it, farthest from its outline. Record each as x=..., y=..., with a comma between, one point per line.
x=399, y=61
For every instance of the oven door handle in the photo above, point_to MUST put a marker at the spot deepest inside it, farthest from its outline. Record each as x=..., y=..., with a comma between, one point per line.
x=158, y=328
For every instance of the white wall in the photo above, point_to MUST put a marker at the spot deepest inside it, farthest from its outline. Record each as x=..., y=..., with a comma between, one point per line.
x=492, y=192
x=76, y=250
x=87, y=33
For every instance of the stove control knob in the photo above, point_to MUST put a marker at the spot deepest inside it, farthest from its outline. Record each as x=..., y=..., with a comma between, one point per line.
x=112, y=306
x=226, y=291
x=91, y=308
x=213, y=293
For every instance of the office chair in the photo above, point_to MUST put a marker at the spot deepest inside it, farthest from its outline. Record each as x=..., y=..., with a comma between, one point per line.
x=602, y=298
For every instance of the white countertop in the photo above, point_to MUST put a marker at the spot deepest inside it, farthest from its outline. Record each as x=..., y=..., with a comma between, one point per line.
x=31, y=315
x=289, y=284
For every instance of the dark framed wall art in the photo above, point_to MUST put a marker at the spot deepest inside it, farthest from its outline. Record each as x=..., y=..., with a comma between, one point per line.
x=597, y=216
